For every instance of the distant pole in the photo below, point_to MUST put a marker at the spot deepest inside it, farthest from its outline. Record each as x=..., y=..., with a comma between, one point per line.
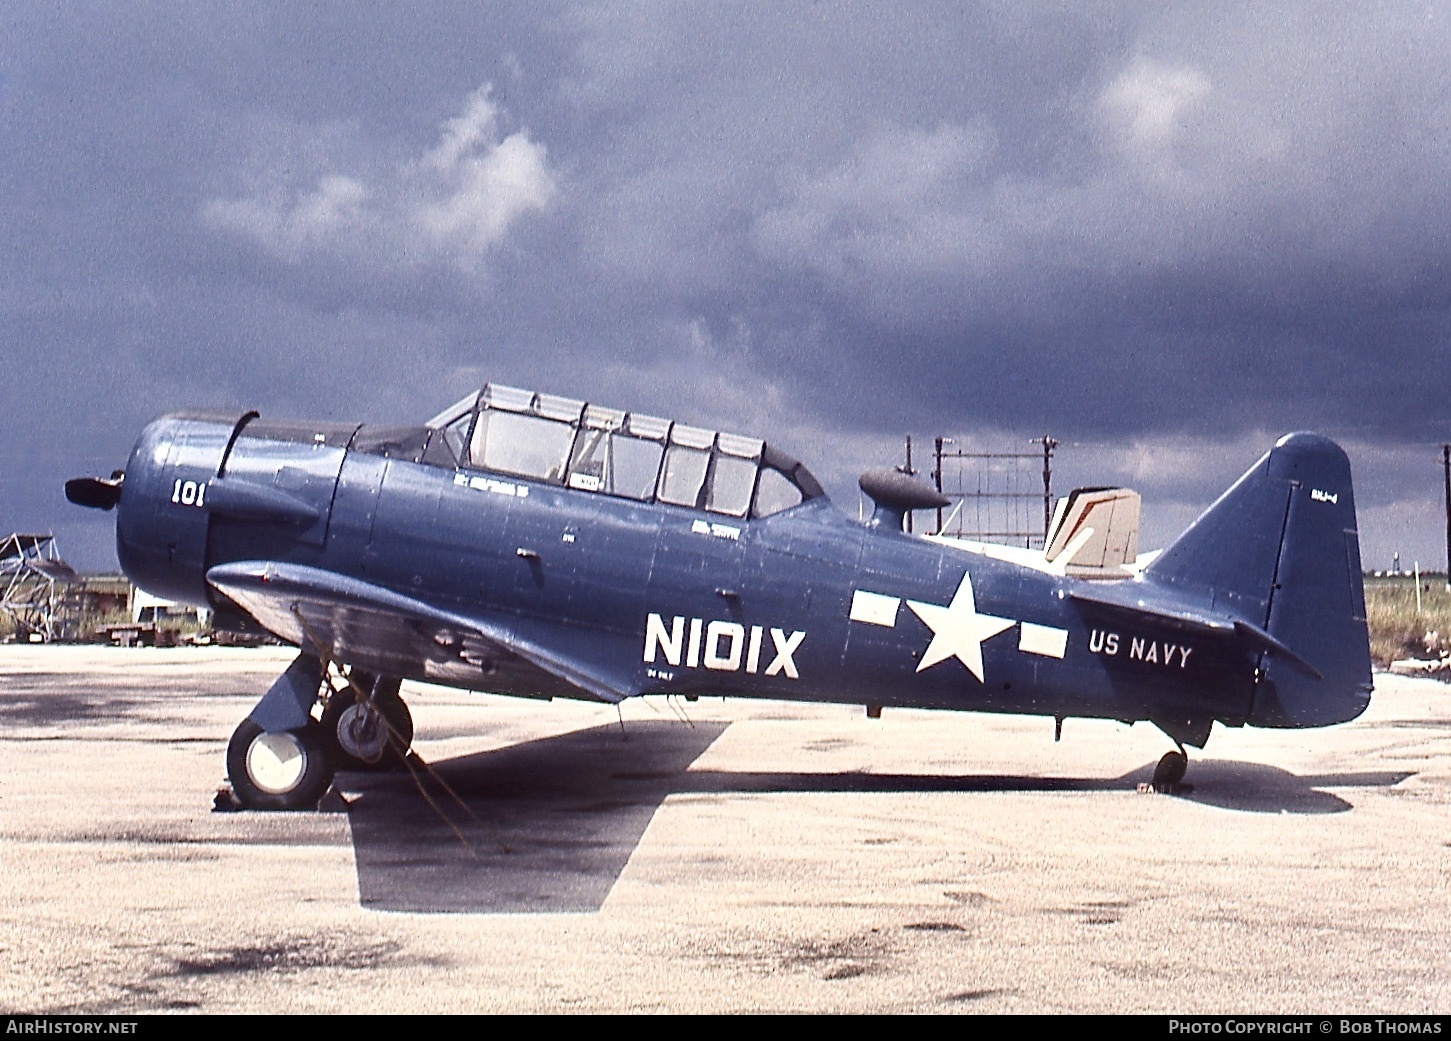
x=937, y=480
x=1446, y=465
x=1048, y=445
x=910, y=473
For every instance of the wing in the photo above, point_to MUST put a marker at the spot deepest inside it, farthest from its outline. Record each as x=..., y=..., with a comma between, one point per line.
x=388, y=633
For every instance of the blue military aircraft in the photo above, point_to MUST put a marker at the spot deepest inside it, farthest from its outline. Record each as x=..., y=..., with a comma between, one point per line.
x=533, y=545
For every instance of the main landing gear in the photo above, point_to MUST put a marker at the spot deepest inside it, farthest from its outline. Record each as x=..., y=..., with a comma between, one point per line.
x=371, y=732
x=280, y=770
x=283, y=756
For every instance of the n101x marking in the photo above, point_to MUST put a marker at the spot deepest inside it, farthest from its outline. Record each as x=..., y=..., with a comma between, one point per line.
x=188, y=493
x=720, y=645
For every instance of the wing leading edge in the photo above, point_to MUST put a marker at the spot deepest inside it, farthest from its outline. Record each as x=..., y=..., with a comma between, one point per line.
x=385, y=632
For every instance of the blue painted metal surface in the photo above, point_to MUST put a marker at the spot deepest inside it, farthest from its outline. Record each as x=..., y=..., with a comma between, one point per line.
x=384, y=551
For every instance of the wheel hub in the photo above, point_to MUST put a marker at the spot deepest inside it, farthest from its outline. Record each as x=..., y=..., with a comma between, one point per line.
x=276, y=762
x=362, y=733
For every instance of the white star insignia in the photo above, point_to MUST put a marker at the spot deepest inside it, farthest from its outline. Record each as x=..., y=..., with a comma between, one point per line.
x=957, y=629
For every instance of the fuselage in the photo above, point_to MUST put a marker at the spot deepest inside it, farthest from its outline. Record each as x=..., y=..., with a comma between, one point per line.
x=802, y=604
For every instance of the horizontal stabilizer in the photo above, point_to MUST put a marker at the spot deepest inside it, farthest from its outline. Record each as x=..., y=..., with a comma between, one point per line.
x=1262, y=639
x=1141, y=600
x=1157, y=606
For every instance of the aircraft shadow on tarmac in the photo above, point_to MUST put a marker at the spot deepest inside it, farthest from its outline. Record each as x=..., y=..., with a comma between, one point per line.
x=551, y=824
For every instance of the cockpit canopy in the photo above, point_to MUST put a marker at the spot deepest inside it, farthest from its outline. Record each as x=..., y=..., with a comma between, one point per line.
x=557, y=440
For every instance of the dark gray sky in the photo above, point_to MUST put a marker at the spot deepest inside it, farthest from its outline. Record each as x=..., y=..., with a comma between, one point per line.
x=1165, y=234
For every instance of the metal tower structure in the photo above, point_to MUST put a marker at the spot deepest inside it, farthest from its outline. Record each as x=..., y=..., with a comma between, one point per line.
x=38, y=589
x=994, y=494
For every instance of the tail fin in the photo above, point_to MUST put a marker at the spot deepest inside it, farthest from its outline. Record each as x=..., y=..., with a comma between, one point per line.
x=1280, y=551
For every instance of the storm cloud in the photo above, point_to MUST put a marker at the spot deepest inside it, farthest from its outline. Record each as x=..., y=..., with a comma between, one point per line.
x=1164, y=234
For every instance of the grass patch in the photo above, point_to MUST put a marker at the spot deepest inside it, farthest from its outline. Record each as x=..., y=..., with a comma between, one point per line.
x=1397, y=628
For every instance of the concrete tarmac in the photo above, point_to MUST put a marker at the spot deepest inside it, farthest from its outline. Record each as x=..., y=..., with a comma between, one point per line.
x=713, y=857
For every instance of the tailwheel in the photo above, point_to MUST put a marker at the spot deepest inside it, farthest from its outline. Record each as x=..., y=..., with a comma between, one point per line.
x=1170, y=771
x=372, y=733
x=281, y=770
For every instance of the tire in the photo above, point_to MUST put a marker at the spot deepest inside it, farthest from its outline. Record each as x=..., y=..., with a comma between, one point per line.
x=1171, y=768
x=284, y=770
x=356, y=739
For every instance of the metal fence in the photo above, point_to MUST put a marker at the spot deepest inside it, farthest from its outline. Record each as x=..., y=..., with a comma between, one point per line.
x=1001, y=496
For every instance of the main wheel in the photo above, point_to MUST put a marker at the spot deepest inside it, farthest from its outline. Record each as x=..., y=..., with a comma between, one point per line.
x=284, y=770
x=368, y=735
x=1170, y=770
